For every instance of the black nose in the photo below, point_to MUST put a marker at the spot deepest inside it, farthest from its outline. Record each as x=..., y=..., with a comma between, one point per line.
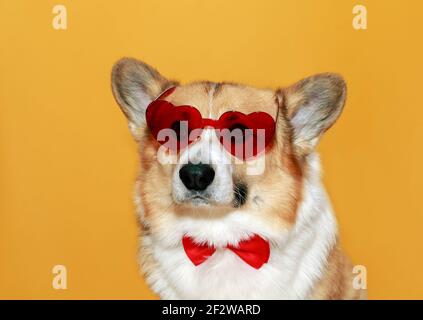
x=196, y=176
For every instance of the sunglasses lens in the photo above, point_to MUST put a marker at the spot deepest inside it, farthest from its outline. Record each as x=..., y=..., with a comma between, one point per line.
x=246, y=136
x=173, y=127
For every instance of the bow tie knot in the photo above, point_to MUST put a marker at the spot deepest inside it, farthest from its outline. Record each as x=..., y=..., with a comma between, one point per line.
x=254, y=251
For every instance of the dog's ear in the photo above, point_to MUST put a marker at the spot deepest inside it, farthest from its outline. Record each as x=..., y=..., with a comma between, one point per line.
x=135, y=84
x=312, y=106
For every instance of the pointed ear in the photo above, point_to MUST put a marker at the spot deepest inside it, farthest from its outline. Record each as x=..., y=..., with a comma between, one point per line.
x=135, y=84
x=313, y=105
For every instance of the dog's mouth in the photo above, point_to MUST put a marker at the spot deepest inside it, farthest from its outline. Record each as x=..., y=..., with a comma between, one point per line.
x=198, y=200
x=240, y=191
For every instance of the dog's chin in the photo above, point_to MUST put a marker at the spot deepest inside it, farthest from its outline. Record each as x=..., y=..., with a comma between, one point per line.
x=198, y=201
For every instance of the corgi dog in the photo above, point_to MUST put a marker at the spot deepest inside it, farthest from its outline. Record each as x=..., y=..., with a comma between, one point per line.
x=218, y=223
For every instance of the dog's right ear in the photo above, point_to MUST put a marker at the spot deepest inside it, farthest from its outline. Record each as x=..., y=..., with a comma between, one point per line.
x=135, y=84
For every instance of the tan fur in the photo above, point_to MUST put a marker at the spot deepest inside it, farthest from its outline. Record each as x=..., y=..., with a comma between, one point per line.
x=285, y=168
x=336, y=284
x=285, y=185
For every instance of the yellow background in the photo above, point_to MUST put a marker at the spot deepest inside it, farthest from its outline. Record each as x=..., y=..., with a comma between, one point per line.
x=68, y=163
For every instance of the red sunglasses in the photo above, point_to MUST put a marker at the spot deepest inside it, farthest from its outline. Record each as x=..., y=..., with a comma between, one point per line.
x=243, y=135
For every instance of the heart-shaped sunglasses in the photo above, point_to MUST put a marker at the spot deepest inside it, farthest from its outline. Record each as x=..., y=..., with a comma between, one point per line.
x=243, y=135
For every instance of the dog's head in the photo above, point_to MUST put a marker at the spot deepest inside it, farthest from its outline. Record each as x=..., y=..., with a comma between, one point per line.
x=204, y=177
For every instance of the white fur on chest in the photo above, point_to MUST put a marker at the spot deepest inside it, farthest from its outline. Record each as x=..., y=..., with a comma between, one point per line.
x=297, y=257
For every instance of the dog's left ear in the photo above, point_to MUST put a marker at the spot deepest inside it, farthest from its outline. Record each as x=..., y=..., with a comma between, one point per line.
x=312, y=106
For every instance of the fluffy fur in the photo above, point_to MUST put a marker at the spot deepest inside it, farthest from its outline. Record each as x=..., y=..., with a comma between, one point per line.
x=285, y=202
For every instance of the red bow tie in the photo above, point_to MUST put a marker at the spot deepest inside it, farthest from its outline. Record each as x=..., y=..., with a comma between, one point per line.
x=254, y=251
